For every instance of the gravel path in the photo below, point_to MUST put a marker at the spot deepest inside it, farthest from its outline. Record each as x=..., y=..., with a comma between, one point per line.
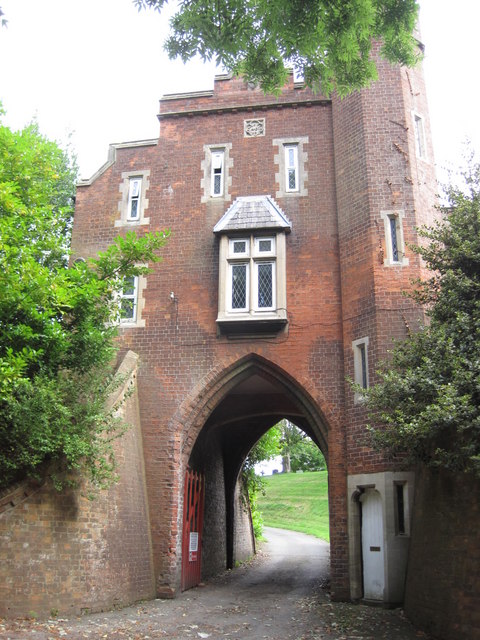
x=282, y=594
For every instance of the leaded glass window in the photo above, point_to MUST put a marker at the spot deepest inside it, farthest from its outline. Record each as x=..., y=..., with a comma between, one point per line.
x=251, y=285
x=265, y=285
x=264, y=246
x=239, y=286
x=394, y=238
x=239, y=246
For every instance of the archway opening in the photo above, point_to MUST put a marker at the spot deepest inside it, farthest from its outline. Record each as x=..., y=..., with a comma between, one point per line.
x=255, y=402
x=287, y=481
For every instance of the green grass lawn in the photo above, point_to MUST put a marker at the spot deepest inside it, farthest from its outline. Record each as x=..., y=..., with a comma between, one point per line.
x=296, y=501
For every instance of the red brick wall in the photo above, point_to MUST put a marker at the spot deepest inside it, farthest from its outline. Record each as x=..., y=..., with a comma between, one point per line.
x=377, y=170
x=359, y=162
x=443, y=579
x=66, y=553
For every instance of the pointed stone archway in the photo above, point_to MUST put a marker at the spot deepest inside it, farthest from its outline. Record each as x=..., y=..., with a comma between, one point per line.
x=230, y=413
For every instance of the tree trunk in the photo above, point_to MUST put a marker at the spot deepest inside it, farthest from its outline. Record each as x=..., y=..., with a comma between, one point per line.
x=286, y=463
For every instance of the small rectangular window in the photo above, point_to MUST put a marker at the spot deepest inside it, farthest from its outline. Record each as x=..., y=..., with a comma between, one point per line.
x=134, y=194
x=363, y=364
x=360, y=365
x=264, y=246
x=217, y=173
x=400, y=504
x=394, y=238
x=394, y=255
x=239, y=248
x=419, y=132
x=291, y=167
x=298, y=76
x=128, y=300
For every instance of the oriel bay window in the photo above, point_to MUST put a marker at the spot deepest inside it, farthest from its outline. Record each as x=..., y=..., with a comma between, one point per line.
x=252, y=267
x=251, y=274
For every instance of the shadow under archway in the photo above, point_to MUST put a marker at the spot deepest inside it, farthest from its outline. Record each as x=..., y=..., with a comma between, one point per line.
x=258, y=397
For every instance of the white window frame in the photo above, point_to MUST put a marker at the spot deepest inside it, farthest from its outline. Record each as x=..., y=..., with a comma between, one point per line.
x=257, y=252
x=135, y=320
x=419, y=135
x=282, y=161
x=230, y=321
x=238, y=254
x=252, y=257
x=291, y=150
x=125, y=204
x=360, y=366
x=218, y=162
x=130, y=296
x=231, y=265
x=207, y=183
x=134, y=195
x=298, y=76
x=390, y=259
x=264, y=257
x=256, y=265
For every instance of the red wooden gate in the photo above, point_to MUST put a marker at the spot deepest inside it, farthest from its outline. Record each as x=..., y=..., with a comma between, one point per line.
x=193, y=501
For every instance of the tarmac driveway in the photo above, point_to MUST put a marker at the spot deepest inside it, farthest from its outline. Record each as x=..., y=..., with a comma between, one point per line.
x=282, y=594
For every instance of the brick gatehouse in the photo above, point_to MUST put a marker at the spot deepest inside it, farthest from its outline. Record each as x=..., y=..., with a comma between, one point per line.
x=291, y=218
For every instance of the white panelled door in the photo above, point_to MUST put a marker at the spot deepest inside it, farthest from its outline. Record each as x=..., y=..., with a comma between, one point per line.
x=372, y=545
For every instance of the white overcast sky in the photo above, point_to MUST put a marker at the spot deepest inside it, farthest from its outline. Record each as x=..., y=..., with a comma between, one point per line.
x=94, y=70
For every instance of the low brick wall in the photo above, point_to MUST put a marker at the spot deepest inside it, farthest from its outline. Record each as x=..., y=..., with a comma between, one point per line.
x=443, y=578
x=62, y=552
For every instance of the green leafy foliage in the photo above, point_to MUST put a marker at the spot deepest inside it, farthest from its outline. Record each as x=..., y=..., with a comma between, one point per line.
x=427, y=403
x=328, y=41
x=57, y=323
x=298, y=451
